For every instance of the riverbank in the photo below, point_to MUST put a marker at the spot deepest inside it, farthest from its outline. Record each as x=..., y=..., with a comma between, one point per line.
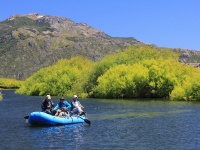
x=1, y=96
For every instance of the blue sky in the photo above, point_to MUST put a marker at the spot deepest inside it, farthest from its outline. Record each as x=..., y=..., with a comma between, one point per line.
x=166, y=23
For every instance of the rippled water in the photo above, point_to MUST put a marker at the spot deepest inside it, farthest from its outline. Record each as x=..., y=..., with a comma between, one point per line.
x=116, y=124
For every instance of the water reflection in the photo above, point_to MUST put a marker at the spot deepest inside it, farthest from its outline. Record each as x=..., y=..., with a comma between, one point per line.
x=59, y=136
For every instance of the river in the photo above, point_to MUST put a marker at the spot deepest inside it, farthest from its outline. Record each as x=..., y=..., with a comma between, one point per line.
x=115, y=125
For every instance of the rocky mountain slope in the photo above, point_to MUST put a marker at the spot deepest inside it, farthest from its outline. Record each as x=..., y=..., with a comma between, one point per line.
x=33, y=41
x=30, y=42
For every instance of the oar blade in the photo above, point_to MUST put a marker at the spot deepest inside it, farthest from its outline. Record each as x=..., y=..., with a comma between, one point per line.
x=87, y=121
x=26, y=117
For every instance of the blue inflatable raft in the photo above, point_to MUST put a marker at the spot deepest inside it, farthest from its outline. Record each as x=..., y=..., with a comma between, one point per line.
x=41, y=118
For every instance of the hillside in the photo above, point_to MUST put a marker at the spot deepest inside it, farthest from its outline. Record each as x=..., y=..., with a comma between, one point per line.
x=33, y=41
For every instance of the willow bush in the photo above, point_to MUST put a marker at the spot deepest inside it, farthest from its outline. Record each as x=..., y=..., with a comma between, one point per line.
x=8, y=83
x=121, y=81
x=59, y=79
x=138, y=71
x=161, y=75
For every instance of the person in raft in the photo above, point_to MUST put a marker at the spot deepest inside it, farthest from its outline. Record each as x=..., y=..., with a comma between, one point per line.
x=47, y=105
x=77, y=108
x=61, y=109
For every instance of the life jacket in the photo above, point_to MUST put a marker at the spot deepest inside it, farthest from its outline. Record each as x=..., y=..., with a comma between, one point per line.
x=72, y=105
x=61, y=105
x=45, y=103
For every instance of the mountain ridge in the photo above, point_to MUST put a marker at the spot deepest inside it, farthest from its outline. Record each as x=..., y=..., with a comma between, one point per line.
x=29, y=42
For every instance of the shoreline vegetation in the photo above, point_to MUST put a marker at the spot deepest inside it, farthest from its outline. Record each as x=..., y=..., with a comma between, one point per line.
x=136, y=72
x=8, y=83
x=1, y=96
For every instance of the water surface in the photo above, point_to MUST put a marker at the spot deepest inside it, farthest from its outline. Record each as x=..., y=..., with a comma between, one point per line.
x=116, y=124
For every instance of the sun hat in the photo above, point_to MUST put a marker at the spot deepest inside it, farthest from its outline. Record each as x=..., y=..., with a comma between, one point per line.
x=48, y=97
x=75, y=96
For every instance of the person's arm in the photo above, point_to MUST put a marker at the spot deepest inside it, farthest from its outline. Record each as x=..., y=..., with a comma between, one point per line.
x=56, y=107
x=68, y=105
x=79, y=104
x=52, y=104
x=48, y=106
x=73, y=104
x=79, y=107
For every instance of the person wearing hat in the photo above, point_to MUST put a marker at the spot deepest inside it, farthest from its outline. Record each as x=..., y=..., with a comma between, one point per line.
x=76, y=108
x=62, y=107
x=47, y=105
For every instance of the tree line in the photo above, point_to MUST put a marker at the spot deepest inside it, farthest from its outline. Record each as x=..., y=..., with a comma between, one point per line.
x=136, y=72
x=8, y=83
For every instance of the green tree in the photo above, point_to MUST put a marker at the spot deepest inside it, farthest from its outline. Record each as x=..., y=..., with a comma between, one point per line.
x=58, y=79
x=122, y=81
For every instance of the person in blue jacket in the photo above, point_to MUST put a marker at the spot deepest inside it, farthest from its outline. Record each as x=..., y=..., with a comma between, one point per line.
x=62, y=108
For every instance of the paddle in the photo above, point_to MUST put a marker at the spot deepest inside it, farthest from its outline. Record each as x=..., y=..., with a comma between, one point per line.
x=26, y=117
x=86, y=120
